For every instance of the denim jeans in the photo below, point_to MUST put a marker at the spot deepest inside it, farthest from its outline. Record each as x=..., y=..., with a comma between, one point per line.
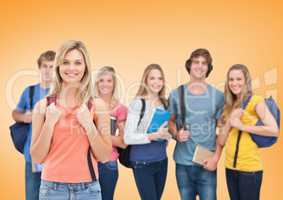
x=243, y=185
x=108, y=176
x=150, y=178
x=32, y=182
x=195, y=180
x=69, y=191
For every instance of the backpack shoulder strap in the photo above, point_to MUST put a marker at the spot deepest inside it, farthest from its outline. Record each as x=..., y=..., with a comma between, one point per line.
x=237, y=149
x=246, y=102
x=90, y=164
x=31, y=94
x=244, y=105
x=89, y=104
x=181, y=92
x=164, y=103
x=89, y=152
x=50, y=99
x=142, y=110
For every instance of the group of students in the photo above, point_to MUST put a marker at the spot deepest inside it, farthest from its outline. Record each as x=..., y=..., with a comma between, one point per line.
x=71, y=133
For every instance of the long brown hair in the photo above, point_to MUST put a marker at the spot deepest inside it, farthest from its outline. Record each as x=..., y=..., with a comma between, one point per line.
x=231, y=101
x=143, y=89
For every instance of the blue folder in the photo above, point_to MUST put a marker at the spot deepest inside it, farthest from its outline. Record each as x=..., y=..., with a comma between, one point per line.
x=159, y=117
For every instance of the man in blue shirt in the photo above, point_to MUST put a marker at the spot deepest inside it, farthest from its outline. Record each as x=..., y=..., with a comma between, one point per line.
x=23, y=113
x=203, y=105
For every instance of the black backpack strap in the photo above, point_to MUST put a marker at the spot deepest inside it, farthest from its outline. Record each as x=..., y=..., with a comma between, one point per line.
x=181, y=92
x=142, y=110
x=31, y=94
x=89, y=152
x=164, y=103
x=90, y=165
x=244, y=105
x=237, y=149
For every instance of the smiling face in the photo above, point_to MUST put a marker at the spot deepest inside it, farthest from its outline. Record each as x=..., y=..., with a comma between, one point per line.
x=199, y=68
x=155, y=81
x=105, y=84
x=236, y=81
x=72, y=67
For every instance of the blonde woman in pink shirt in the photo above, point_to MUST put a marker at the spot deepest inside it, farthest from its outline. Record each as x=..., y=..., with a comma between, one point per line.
x=70, y=130
x=106, y=88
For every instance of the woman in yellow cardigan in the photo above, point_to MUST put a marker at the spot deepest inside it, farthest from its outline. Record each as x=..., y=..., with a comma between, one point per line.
x=243, y=164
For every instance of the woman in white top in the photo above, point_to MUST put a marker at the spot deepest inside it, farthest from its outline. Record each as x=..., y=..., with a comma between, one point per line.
x=148, y=151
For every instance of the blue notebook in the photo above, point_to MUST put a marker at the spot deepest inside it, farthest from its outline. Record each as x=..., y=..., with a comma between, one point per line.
x=159, y=117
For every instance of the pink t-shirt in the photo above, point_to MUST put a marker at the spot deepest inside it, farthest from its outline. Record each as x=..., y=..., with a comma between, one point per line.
x=67, y=158
x=120, y=113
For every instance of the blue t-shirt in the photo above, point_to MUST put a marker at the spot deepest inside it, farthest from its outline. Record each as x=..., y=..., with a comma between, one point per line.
x=24, y=105
x=202, y=112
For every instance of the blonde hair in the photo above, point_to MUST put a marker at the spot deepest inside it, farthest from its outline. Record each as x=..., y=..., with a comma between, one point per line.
x=102, y=71
x=143, y=90
x=231, y=101
x=85, y=90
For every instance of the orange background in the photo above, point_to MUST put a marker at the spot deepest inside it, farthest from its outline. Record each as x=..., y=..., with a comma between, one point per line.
x=129, y=35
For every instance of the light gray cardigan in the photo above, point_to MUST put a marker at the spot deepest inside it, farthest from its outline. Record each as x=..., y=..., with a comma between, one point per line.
x=135, y=134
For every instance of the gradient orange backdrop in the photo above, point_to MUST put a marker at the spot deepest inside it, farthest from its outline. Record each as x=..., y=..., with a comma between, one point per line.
x=130, y=34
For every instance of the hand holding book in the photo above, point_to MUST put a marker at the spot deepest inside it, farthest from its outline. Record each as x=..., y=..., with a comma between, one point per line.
x=205, y=158
x=158, y=125
x=161, y=134
x=210, y=164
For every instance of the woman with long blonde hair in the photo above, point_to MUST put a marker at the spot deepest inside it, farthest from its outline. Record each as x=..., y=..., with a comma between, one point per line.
x=70, y=130
x=244, y=168
x=148, y=151
x=106, y=88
